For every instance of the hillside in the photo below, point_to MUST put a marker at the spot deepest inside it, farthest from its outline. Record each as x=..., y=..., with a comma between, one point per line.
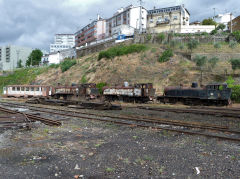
x=140, y=67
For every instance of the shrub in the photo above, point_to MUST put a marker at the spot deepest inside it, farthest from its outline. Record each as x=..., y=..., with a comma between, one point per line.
x=232, y=44
x=83, y=79
x=100, y=87
x=213, y=61
x=236, y=35
x=181, y=47
x=205, y=33
x=121, y=50
x=166, y=55
x=173, y=44
x=213, y=32
x=217, y=46
x=235, y=64
x=67, y=64
x=161, y=37
x=200, y=60
x=148, y=37
x=192, y=45
x=235, y=89
x=54, y=66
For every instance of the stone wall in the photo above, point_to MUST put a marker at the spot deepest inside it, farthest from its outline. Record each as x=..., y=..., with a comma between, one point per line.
x=182, y=39
x=99, y=47
x=221, y=56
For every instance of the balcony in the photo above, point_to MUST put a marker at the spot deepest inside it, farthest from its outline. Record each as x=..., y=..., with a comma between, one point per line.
x=162, y=22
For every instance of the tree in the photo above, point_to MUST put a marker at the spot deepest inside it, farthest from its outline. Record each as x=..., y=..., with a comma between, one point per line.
x=192, y=45
x=166, y=55
x=200, y=62
x=221, y=27
x=19, y=64
x=34, y=58
x=209, y=21
x=235, y=64
x=217, y=46
x=213, y=61
x=160, y=37
x=236, y=34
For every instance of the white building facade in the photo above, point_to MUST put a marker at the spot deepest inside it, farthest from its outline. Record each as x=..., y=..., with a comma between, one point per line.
x=173, y=19
x=58, y=57
x=10, y=57
x=62, y=42
x=125, y=20
x=223, y=19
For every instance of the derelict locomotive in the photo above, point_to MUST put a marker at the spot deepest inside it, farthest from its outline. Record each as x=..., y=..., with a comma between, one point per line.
x=212, y=94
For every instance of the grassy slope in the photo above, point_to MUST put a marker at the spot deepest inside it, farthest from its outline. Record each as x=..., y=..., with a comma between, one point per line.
x=21, y=76
x=135, y=68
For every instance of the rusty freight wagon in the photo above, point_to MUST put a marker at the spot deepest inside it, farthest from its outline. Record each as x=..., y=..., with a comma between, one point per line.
x=139, y=93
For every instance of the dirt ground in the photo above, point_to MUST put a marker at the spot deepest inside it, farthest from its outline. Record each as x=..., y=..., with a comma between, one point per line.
x=91, y=149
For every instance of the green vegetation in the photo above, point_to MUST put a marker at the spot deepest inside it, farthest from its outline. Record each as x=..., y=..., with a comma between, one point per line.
x=100, y=87
x=235, y=89
x=149, y=37
x=235, y=64
x=192, y=45
x=160, y=37
x=121, y=50
x=209, y=21
x=34, y=58
x=213, y=32
x=181, y=47
x=213, y=61
x=83, y=79
x=67, y=64
x=236, y=35
x=21, y=76
x=221, y=27
x=200, y=61
x=110, y=169
x=217, y=46
x=166, y=55
x=232, y=44
x=19, y=64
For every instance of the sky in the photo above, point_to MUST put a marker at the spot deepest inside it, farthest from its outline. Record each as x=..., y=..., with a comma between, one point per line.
x=33, y=23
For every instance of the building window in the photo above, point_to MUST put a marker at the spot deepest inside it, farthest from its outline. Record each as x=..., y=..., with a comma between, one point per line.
x=175, y=18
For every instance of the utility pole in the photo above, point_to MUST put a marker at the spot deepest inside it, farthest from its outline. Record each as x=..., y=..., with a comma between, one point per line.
x=231, y=23
x=214, y=9
x=18, y=51
x=140, y=18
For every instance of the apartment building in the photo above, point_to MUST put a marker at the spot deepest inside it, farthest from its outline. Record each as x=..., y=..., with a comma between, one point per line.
x=173, y=19
x=11, y=55
x=170, y=19
x=62, y=42
x=92, y=32
x=126, y=20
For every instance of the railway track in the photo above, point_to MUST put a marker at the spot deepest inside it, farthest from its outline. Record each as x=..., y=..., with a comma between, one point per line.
x=203, y=111
x=32, y=118
x=145, y=122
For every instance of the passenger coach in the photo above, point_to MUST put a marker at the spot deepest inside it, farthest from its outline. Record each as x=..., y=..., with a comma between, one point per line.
x=27, y=91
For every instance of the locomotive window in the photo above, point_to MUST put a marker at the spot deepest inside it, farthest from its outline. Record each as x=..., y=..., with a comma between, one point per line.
x=27, y=88
x=18, y=88
x=22, y=88
x=13, y=88
x=32, y=88
x=37, y=89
